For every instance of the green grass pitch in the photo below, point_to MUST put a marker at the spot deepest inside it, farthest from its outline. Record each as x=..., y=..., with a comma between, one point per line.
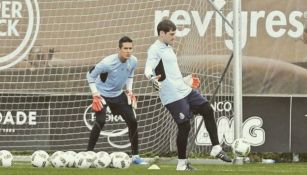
x=247, y=169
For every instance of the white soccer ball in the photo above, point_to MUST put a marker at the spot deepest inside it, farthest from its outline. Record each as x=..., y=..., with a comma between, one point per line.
x=112, y=155
x=82, y=160
x=6, y=158
x=102, y=160
x=120, y=160
x=40, y=159
x=91, y=156
x=58, y=159
x=70, y=158
x=241, y=147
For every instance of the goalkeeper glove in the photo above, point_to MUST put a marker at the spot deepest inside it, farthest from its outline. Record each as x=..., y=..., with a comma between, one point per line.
x=131, y=99
x=192, y=80
x=155, y=83
x=98, y=102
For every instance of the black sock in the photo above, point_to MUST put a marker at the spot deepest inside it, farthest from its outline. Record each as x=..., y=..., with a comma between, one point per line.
x=182, y=139
x=208, y=114
x=133, y=136
x=94, y=136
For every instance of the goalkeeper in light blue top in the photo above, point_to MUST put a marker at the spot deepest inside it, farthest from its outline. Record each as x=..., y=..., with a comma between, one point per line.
x=107, y=80
x=113, y=75
x=178, y=93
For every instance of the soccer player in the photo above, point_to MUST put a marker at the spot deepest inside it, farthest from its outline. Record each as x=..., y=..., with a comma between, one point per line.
x=178, y=95
x=107, y=80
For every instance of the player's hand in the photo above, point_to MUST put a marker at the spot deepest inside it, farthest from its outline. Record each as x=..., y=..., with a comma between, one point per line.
x=196, y=81
x=192, y=80
x=155, y=83
x=98, y=102
x=131, y=99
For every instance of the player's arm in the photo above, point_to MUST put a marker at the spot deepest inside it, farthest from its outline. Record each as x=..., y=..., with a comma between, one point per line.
x=91, y=76
x=130, y=96
x=151, y=62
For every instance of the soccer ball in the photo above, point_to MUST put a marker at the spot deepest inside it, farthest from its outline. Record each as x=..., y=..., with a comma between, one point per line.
x=40, y=158
x=70, y=158
x=6, y=158
x=240, y=147
x=58, y=159
x=82, y=160
x=120, y=160
x=102, y=160
x=91, y=156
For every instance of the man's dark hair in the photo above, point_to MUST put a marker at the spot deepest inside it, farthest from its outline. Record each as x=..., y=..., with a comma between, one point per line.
x=124, y=39
x=166, y=25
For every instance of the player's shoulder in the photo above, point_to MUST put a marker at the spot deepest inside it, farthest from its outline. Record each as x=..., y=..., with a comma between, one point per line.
x=154, y=48
x=133, y=58
x=109, y=58
x=107, y=61
x=154, y=45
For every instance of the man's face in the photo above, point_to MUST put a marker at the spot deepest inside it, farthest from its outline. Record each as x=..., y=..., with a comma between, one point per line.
x=125, y=51
x=168, y=37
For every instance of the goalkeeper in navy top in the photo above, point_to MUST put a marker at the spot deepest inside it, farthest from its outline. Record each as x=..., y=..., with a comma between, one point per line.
x=107, y=80
x=178, y=93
